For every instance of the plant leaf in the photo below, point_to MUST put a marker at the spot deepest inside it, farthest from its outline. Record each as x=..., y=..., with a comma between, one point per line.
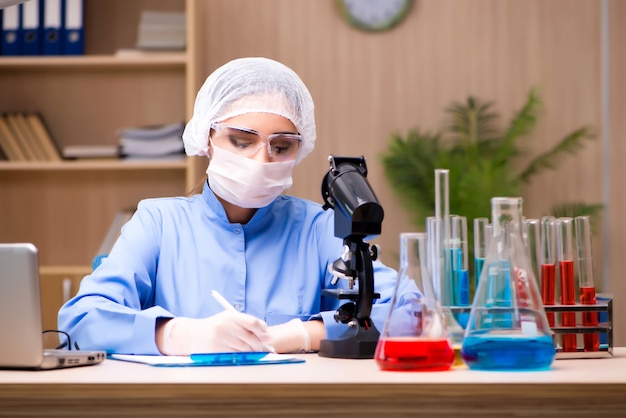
x=571, y=144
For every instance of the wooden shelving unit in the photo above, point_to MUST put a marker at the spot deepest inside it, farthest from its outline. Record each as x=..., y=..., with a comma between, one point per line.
x=65, y=208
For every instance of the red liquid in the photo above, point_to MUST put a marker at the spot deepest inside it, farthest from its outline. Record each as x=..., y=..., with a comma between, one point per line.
x=414, y=354
x=548, y=289
x=588, y=297
x=568, y=297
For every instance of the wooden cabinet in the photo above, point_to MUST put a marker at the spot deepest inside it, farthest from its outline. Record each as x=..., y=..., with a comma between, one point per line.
x=65, y=208
x=58, y=285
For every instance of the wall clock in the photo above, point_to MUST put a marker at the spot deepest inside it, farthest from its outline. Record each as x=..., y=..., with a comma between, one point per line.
x=374, y=15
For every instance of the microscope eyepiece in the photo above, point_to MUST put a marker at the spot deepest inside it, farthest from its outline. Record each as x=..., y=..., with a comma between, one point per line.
x=345, y=189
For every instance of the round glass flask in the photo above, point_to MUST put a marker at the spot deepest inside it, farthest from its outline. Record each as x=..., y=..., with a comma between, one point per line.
x=415, y=335
x=507, y=328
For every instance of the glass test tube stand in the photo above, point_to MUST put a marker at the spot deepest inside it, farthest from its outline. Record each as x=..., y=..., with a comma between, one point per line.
x=604, y=329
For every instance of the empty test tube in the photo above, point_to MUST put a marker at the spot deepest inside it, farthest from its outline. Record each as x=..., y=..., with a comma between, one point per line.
x=532, y=240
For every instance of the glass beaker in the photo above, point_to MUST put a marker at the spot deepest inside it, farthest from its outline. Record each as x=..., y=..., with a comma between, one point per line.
x=507, y=328
x=415, y=336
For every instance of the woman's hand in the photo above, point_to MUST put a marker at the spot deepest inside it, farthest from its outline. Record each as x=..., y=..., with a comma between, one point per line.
x=223, y=332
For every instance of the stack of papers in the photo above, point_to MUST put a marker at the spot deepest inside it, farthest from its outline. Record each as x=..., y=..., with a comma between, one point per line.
x=211, y=359
x=155, y=141
x=161, y=30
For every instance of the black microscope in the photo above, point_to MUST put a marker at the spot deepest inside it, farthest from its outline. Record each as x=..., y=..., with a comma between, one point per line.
x=358, y=214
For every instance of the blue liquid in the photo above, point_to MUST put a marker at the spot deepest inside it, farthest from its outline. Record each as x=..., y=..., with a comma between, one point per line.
x=498, y=292
x=461, y=295
x=478, y=268
x=508, y=352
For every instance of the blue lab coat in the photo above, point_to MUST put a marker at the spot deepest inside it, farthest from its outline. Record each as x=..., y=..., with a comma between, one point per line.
x=174, y=251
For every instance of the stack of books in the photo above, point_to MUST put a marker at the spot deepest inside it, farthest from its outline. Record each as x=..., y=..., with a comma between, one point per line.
x=154, y=141
x=161, y=31
x=24, y=137
x=97, y=151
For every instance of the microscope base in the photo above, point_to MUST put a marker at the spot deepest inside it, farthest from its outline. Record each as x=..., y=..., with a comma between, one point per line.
x=356, y=345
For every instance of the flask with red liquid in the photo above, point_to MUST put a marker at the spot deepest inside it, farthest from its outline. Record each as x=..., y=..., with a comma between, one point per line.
x=415, y=336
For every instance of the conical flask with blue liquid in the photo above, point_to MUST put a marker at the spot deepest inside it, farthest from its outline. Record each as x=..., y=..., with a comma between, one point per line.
x=507, y=328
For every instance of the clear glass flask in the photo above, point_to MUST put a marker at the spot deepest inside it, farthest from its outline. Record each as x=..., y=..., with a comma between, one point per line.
x=507, y=328
x=415, y=336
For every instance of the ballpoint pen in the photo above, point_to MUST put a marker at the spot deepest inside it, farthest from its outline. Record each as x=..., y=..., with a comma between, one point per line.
x=222, y=301
x=227, y=306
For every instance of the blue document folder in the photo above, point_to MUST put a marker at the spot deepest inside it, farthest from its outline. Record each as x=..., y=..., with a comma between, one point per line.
x=52, y=27
x=31, y=31
x=11, y=22
x=73, y=42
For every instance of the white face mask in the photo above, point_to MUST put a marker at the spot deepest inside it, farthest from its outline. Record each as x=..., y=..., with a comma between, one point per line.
x=245, y=182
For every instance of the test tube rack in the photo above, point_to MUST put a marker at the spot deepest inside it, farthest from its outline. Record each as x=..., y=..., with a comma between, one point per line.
x=604, y=329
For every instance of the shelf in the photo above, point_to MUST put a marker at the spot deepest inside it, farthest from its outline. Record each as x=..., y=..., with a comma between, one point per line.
x=45, y=271
x=112, y=164
x=123, y=61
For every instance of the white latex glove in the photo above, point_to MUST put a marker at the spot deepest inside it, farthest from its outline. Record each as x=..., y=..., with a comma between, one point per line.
x=223, y=332
x=290, y=337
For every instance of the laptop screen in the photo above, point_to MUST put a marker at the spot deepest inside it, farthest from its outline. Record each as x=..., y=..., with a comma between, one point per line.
x=20, y=306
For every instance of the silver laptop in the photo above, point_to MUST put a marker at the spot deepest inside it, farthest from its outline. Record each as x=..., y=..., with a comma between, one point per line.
x=20, y=316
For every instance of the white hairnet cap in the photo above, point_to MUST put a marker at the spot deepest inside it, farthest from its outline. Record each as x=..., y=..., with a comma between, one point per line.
x=250, y=85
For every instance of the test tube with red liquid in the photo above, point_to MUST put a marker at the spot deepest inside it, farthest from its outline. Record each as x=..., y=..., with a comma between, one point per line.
x=585, y=280
x=566, y=275
x=548, y=265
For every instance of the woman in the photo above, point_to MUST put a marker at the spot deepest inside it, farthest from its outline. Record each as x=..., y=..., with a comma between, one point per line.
x=266, y=253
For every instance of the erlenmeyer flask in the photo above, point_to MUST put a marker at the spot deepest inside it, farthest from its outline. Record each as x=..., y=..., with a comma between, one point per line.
x=415, y=335
x=507, y=328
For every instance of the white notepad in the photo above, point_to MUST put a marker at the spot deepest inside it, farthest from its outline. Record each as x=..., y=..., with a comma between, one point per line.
x=211, y=359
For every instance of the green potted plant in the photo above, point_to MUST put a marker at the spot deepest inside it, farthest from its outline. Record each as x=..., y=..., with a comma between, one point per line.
x=483, y=161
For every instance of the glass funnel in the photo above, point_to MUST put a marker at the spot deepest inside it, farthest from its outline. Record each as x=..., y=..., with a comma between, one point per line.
x=507, y=328
x=415, y=334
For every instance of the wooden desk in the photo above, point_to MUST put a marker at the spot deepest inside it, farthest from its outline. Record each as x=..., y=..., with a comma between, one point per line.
x=319, y=387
